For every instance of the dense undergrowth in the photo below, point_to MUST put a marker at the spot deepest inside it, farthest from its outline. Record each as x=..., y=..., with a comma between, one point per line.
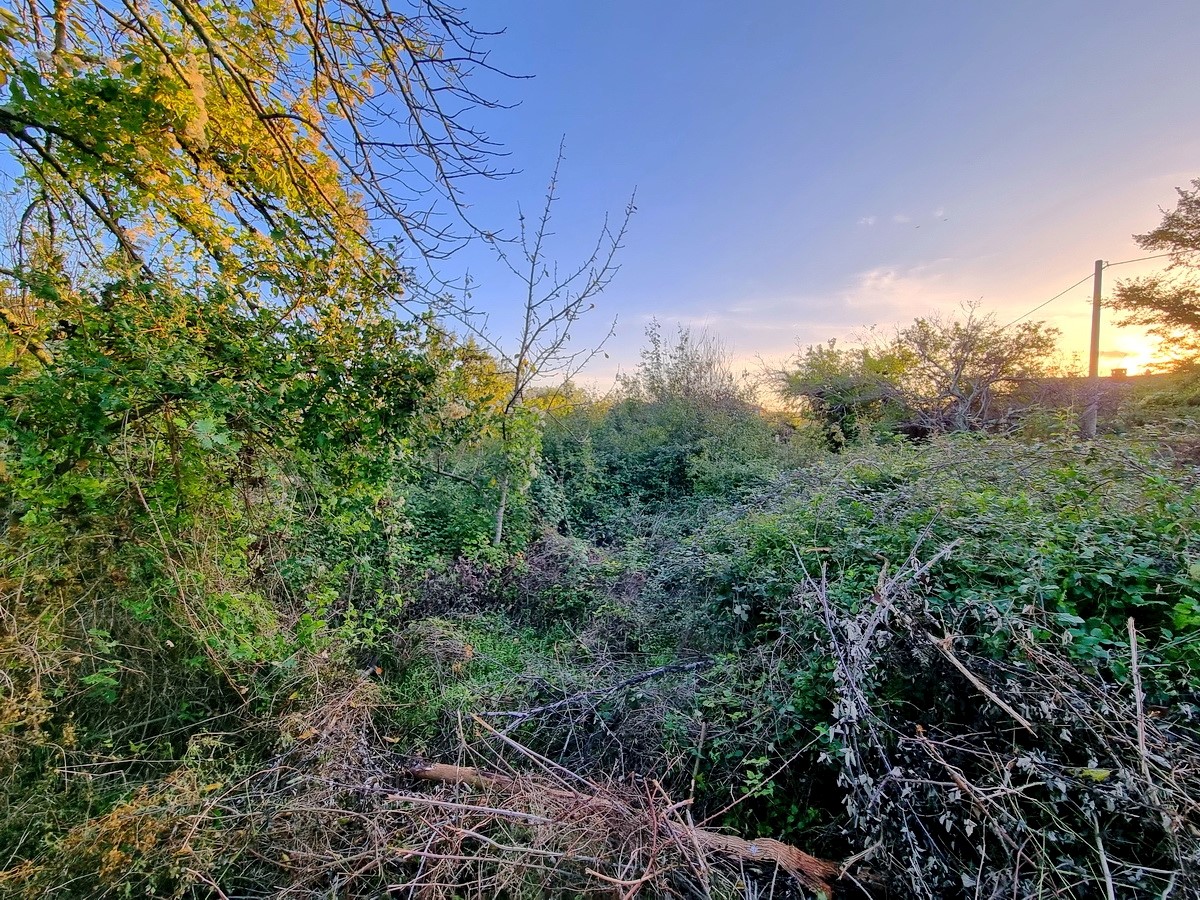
x=305, y=594
x=924, y=657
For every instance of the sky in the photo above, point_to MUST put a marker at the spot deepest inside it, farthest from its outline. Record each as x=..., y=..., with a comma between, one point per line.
x=806, y=170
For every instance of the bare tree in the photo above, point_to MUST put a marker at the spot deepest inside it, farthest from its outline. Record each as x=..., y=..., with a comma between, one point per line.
x=554, y=300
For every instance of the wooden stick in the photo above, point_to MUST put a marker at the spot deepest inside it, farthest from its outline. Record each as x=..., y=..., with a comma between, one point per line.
x=944, y=646
x=1109, y=888
x=1137, y=698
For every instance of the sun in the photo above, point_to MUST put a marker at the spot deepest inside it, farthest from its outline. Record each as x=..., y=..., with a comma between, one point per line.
x=1130, y=349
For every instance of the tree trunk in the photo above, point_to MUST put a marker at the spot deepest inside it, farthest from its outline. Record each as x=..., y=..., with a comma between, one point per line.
x=498, y=535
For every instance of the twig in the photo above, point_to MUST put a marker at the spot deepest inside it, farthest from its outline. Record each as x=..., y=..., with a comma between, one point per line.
x=551, y=767
x=1167, y=891
x=212, y=884
x=967, y=789
x=639, y=678
x=467, y=807
x=850, y=862
x=944, y=646
x=637, y=882
x=1110, y=890
x=699, y=756
x=1137, y=699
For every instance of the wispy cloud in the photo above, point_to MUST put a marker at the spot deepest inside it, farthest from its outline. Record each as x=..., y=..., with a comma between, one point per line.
x=901, y=219
x=771, y=326
x=889, y=295
x=868, y=221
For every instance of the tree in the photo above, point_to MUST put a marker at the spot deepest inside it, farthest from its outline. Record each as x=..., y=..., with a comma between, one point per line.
x=493, y=446
x=694, y=368
x=845, y=388
x=554, y=300
x=936, y=375
x=249, y=167
x=1168, y=304
x=207, y=396
x=238, y=176
x=956, y=372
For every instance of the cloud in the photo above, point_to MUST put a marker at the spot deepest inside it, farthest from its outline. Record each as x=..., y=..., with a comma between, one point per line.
x=868, y=221
x=888, y=295
x=901, y=219
x=883, y=295
x=770, y=325
x=939, y=212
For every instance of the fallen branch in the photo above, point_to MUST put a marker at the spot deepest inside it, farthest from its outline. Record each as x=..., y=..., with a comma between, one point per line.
x=812, y=872
x=671, y=669
x=944, y=646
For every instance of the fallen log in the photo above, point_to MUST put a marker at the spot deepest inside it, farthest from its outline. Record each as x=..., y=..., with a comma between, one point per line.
x=814, y=873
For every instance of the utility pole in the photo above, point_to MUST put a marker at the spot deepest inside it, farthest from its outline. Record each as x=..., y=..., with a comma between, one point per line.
x=1088, y=426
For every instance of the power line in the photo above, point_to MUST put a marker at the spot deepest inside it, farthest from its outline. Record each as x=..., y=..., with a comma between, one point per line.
x=1107, y=265
x=1051, y=300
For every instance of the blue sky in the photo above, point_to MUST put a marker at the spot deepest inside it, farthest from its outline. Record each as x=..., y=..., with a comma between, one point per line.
x=804, y=170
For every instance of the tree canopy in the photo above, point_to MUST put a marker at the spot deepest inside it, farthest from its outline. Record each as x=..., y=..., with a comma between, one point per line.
x=1168, y=304
x=285, y=145
x=254, y=180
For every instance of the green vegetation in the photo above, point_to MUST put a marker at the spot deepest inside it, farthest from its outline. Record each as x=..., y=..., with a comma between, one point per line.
x=933, y=376
x=303, y=594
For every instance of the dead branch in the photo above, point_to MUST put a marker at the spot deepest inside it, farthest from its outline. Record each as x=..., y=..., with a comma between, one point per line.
x=521, y=714
x=944, y=646
x=812, y=872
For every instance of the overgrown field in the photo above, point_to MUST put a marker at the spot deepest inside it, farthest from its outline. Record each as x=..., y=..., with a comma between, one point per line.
x=314, y=585
x=965, y=667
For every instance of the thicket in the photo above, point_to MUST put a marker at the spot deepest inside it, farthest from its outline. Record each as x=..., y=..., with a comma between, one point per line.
x=235, y=634
x=302, y=594
x=974, y=660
